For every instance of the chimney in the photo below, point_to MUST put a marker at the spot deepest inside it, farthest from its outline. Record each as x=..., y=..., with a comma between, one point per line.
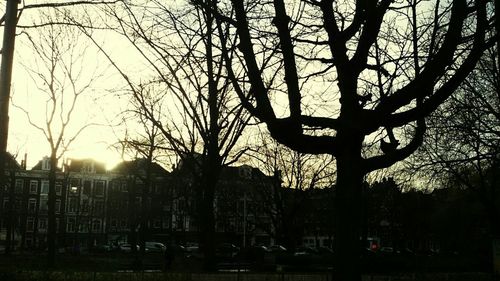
x=24, y=162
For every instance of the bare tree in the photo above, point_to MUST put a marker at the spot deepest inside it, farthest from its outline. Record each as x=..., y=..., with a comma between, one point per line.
x=146, y=147
x=59, y=72
x=462, y=147
x=204, y=119
x=295, y=174
x=330, y=77
x=10, y=20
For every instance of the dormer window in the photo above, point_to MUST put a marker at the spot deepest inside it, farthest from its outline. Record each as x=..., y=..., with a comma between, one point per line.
x=46, y=163
x=88, y=167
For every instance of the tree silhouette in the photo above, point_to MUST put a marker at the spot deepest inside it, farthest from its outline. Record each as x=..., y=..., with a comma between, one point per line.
x=201, y=119
x=58, y=73
x=338, y=78
x=462, y=147
x=284, y=200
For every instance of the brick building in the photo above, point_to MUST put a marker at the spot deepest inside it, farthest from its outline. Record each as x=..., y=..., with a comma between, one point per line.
x=95, y=206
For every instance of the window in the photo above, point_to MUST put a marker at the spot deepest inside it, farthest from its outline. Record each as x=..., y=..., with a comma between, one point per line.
x=17, y=204
x=86, y=187
x=30, y=224
x=58, y=206
x=180, y=222
x=19, y=186
x=113, y=223
x=44, y=203
x=72, y=205
x=111, y=186
x=85, y=205
x=88, y=167
x=5, y=204
x=74, y=190
x=98, y=206
x=157, y=223
x=45, y=187
x=33, y=187
x=99, y=188
x=58, y=188
x=70, y=226
x=166, y=223
x=96, y=225
x=84, y=226
x=74, y=186
x=181, y=205
x=31, y=205
x=138, y=201
x=45, y=163
x=124, y=187
x=42, y=224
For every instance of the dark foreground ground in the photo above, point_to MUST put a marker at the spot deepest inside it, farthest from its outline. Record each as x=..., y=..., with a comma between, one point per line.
x=123, y=266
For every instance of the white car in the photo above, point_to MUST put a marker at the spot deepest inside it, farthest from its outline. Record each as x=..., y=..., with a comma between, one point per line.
x=155, y=247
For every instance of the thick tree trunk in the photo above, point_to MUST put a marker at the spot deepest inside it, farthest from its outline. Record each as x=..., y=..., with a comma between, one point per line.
x=212, y=165
x=348, y=198
x=207, y=220
x=132, y=236
x=145, y=208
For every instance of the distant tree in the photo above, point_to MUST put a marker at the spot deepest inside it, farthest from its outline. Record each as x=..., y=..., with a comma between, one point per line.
x=462, y=149
x=58, y=71
x=204, y=119
x=352, y=79
x=145, y=148
x=10, y=20
x=285, y=199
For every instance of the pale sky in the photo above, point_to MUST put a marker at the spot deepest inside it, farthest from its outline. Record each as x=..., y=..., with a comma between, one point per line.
x=98, y=104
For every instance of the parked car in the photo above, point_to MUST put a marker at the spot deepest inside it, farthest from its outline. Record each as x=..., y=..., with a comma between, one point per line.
x=276, y=249
x=192, y=247
x=192, y=250
x=388, y=251
x=226, y=250
x=102, y=248
x=301, y=251
x=155, y=247
x=127, y=248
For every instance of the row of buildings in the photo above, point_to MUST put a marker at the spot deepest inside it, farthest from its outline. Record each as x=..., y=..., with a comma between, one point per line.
x=98, y=206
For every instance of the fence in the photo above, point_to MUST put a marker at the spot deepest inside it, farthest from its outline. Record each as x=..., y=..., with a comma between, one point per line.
x=237, y=276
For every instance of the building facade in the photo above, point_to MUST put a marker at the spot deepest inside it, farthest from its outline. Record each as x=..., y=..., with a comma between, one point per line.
x=95, y=206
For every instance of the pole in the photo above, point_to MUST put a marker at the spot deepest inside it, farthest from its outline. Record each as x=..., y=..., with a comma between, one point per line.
x=244, y=220
x=9, y=38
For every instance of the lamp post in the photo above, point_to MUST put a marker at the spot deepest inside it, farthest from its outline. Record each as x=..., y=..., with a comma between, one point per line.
x=7, y=53
x=244, y=220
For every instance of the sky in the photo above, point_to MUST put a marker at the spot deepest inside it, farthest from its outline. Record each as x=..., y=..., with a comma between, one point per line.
x=98, y=104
